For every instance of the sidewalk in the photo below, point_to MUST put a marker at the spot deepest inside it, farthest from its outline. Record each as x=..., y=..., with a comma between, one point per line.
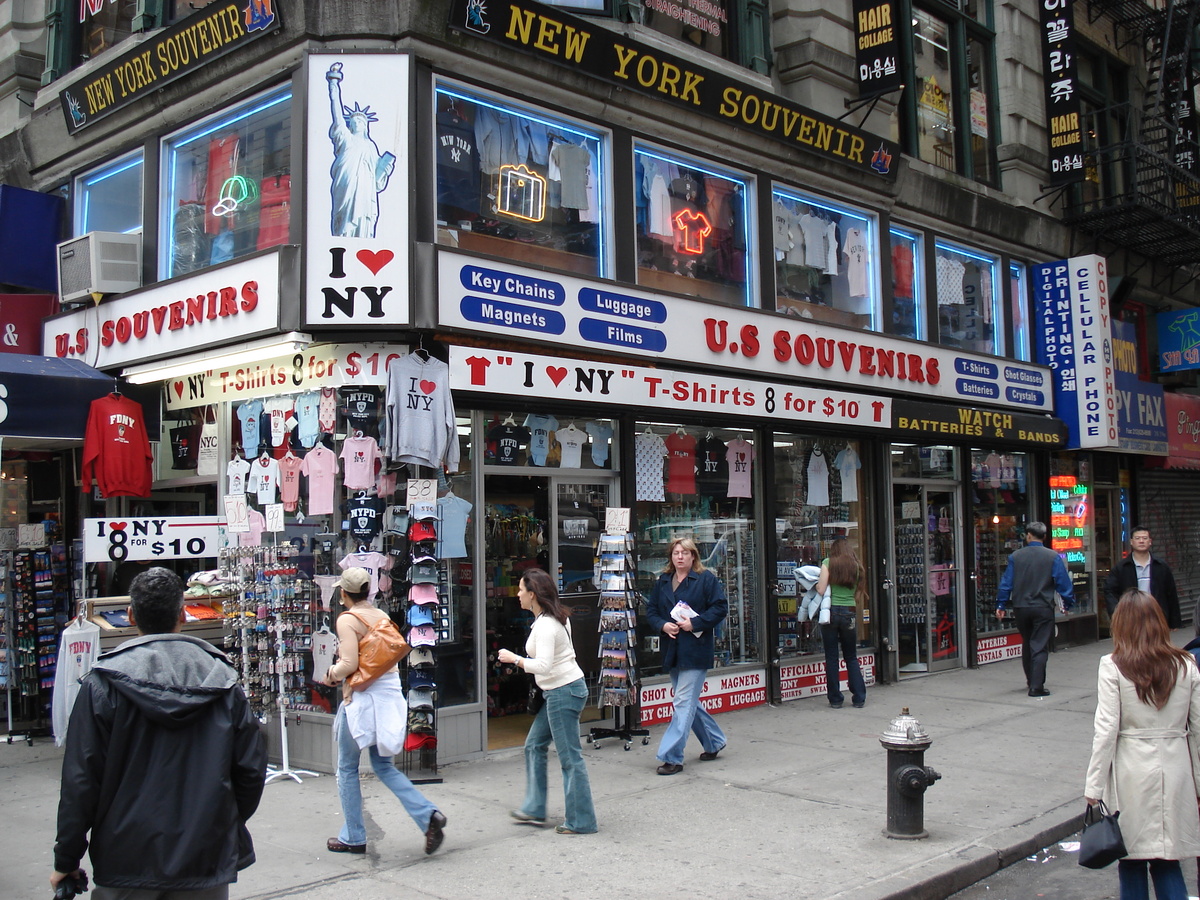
x=795, y=807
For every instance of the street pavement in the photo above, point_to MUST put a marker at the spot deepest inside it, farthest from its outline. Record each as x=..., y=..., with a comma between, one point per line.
x=795, y=807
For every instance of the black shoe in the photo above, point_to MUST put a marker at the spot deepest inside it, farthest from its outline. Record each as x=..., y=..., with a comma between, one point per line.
x=1038, y=692
x=333, y=845
x=835, y=705
x=669, y=769
x=709, y=757
x=859, y=704
x=433, y=834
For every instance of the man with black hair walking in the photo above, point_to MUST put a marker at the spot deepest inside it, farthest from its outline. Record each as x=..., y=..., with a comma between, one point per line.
x=1142, y=571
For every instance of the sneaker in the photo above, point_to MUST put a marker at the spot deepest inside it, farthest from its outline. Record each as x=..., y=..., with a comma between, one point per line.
x=525, y=818
x=563, y=829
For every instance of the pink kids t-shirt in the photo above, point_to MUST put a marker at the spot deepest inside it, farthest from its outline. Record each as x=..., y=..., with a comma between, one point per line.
x=320, y=465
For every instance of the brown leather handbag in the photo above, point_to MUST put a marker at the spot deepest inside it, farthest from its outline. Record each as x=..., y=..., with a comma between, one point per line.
x=378, y=650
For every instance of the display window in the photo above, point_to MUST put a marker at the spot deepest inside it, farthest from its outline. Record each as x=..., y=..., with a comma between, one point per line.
x=825, y=261
x=110, y=198
x=1018, y=304
x=692, y=222
x=818, y=498
x=1000, y=507
x=1072, y=524
x=908, y=283
x=226, y=185
x=699, y=483
x=519, y=183
x=968, y=299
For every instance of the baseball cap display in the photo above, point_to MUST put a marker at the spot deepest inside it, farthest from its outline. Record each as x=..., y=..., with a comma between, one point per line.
x=419, y=678
x=422, y=593
x=419, y=615
x=420, y=657
x=420, y=721
x=420, y=557
x=423, y=509
x=420, y=698
x=422, y=636
x=420, y=742
x=421, y=531
x=355, y=580
x=423, y=573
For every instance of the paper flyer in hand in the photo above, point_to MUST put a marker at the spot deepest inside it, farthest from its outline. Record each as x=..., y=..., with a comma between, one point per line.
x=681, y=612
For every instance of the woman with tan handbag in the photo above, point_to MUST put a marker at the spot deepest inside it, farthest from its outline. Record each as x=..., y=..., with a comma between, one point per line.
x=372, y=715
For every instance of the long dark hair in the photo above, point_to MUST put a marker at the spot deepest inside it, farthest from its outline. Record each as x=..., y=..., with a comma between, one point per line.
x=546, y=594
x=844, y=568
x=1142, y=648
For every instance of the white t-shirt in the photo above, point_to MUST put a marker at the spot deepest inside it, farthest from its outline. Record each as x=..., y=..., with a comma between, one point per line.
x=279, y=409
x=236, y=471
x=571, y=439
x=818, y=478
x=649, y=449
x=264, y=478
x=739, y=453
x=848, y=464
x=950, y=274
x=854, y=248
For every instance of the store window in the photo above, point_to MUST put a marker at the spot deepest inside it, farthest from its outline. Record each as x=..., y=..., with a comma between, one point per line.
x=110, y=198
x=1001, y=509
x=1018, y=300
x=825, y=261
x=818, y=498
x=519, y=183
x=699, y=482
x=1071, y=524
x=103, y=25
x=1104, y=105
x=947, y=116
x=968, y=299
x=908, y=283
x=226, y=185
x=692, y=227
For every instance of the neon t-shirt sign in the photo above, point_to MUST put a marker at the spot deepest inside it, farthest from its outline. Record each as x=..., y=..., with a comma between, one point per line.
x=691, y=228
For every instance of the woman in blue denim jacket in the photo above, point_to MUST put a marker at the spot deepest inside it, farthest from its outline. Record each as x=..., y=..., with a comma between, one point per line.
x=687, y=603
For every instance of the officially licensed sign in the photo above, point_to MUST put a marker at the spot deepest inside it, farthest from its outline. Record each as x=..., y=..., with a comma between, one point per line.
x=172, y=537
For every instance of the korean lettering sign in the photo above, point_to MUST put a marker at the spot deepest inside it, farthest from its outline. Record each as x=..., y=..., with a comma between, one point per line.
x=1061, y=91
x=876, y=49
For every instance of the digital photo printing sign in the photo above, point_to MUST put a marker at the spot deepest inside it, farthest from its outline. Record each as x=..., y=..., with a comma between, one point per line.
x=1074, y=339
x=1141, y=409
x=497, y=299
x=222, y=305
x=357, y=210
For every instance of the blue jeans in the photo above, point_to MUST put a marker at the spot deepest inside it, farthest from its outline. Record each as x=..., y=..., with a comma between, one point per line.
x=689, y=715
x=350, y=791
x=1166, y=874
x=558, y=720
x=841, y=634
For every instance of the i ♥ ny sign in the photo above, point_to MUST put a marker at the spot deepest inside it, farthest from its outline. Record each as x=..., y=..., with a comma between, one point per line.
x=171, y=537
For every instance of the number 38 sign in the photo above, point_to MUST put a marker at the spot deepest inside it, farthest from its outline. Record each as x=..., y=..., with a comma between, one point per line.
x=173, y=537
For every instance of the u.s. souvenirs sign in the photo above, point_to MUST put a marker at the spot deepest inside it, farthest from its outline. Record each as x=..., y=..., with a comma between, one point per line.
x=565, y=40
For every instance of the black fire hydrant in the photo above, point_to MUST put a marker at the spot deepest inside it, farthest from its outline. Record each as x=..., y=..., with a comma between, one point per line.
x=907, y=777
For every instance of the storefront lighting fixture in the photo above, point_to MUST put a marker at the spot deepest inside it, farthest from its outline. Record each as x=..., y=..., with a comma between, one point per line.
x=238, y=354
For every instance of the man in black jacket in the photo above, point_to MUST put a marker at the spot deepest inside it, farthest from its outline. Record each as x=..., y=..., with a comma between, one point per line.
x=1141, y=571
x=164, y=762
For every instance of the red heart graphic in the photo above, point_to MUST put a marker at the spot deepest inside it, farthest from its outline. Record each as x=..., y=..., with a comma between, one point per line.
x=428, y=386
x=375, y=261
x=117, y=526
x=556, y=373
x=179, y=389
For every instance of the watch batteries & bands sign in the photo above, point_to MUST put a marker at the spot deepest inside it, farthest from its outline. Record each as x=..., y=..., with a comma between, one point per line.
x=578, y=44
x=718, y=694
x=176, y=537
x=943, y=422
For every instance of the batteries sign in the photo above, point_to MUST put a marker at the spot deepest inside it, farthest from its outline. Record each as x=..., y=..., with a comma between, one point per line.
x=172, y=537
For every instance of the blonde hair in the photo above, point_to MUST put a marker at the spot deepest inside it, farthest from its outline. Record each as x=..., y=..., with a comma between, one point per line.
x=689, y=545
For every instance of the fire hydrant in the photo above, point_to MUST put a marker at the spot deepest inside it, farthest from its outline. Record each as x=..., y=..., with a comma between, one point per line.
x=907, y=777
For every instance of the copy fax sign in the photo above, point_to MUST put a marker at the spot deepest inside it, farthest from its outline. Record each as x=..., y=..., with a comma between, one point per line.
x=168, y=537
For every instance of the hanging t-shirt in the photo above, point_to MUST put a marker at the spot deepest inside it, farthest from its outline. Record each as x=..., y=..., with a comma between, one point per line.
x=279, y=414
x=681, y=463
x=818, y=478
x=258, y=525
x=327, y=408
x=248, y=416
x=289, y=481
x=360, y=454
x=78, y=647
x=854, y=248
x=815, y=252
x=739, y=453
x=264, y=478
x=236, y=471
x=648, y=452
x=601, y=434
x=361, y=408
x=455, y=513
x=540, y=428
x=308, y=427
x=366, y=517
x=116, y=448
x=712, y=469
x=320, y=466
x=950, y=274
x=902, y=270
x=831, y=254
x=848, y=464
x=571, y=439
x=374, y=563
x=508, y=440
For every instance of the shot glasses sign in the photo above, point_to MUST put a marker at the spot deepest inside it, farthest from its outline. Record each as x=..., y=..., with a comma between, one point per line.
x=176, y=537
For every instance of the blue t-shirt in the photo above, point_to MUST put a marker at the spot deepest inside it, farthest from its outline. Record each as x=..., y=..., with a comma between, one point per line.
x=248, y=415
x=540, y=428
x=307, y=412
x=452, y=528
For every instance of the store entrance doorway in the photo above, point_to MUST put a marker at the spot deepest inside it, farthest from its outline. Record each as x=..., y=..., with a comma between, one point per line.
x=552, y=522
x=927, y=574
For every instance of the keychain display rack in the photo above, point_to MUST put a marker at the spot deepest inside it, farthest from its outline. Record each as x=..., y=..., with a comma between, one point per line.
x=38, y=600
x=618, y=687
x=270, y=635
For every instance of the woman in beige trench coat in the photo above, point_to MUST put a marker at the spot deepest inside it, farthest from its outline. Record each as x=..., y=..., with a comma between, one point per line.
x=1144, y=754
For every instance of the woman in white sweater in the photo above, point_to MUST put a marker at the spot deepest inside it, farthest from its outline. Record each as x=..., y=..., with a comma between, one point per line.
x=1144, y=754
x=550, y=658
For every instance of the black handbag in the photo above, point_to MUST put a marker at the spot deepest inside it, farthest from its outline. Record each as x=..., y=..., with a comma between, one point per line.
x=1101, y=843
x=537, y=697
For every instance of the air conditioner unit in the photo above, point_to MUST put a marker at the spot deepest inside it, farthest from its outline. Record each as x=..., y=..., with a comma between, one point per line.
x=100, y=262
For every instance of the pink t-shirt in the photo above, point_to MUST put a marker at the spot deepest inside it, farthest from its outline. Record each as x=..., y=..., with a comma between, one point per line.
x=373, y=562
x=327, y=410
x=320, y=465
x=360, y=455
x=289, y=481
x=739, y=453
x=258, y=525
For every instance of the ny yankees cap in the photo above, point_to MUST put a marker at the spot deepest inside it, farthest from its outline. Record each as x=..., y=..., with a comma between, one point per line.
x=422, y=510
x=419, y=615
x=423, y=593
x=423, y=573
